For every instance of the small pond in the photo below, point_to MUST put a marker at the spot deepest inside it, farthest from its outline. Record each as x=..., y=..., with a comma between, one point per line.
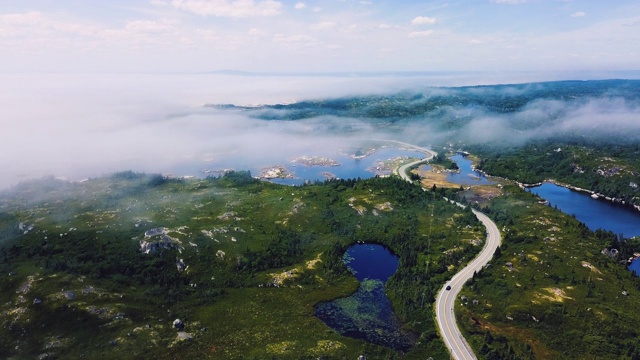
x=367, y=314
x=466, y=176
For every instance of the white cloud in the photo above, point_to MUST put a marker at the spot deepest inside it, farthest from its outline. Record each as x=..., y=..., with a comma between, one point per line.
x=148, y=26
x=578, y=14
x=423, y=20
x=325, y=25
x=384, y=26
x=257, y=32
x=299, y=5
x=510, y=1
x=291, y=39
x=227, y=8
x=419, y=34
x=34, y=23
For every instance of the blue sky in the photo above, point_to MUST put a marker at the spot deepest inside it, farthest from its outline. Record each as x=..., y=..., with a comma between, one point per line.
x=318, y=36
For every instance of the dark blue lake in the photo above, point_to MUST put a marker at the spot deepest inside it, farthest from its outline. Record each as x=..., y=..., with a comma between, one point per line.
x=595, y=213
x=367, y=314
x=466, y=176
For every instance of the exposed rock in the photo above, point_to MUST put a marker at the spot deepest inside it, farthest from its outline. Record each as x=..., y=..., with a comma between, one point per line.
x=178, y=324
x=183, y=336
x=155, y=231
x=165, y=242
x=613, y=252
x=181, y=265
x=69, y=295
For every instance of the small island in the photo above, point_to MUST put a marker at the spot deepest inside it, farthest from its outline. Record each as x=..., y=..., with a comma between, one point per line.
x=275, y=172
x=315, y=161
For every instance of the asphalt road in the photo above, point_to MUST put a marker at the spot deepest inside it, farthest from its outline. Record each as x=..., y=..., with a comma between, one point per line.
x=445, y=301
x=402, y=170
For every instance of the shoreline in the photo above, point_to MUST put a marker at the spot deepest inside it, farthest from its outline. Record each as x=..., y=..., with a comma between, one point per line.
x=594, y=195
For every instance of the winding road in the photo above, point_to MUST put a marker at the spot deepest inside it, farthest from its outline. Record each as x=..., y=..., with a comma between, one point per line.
x=446, y=299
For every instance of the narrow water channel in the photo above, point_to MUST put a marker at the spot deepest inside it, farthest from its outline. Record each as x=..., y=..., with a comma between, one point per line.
x=367, y=314
x=466, y=176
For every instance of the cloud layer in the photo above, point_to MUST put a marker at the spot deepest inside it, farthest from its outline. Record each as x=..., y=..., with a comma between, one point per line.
x=86, y=125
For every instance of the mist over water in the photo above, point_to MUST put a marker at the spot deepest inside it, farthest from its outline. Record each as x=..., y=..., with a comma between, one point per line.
x=86, y=125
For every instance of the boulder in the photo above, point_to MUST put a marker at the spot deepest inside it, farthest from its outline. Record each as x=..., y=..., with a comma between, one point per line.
x=178, y=324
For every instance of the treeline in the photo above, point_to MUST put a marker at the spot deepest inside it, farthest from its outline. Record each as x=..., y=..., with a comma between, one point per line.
x=501, y=99
x=606, y=168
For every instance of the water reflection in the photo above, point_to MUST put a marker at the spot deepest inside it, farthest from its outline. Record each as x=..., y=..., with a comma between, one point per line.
x=466, y=176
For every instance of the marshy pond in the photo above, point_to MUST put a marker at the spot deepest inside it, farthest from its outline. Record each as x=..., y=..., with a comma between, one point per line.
x=367, y=314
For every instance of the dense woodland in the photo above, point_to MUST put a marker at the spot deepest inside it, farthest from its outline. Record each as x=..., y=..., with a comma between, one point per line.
x=605, y=168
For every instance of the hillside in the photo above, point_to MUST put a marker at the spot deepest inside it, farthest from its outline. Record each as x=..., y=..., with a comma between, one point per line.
x=102, y=268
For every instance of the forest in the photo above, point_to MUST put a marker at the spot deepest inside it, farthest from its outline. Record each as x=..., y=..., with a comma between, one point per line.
x=78, y=284
x=605, y=168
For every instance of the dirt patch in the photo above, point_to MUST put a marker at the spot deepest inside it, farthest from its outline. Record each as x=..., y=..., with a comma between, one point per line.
x=481, y=194
x=278, y=279
x=512, y=332
x=554, y=295
x=311, y=264
x=384, y=206
x=438, y=179
x=591, y=267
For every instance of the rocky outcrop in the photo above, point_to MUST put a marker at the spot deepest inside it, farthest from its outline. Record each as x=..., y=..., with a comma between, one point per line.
x=178, y=324
x=181, y=265
x=157, y=239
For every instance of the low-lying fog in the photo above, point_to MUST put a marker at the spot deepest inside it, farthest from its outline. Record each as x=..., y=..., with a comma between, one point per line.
x=87, y=125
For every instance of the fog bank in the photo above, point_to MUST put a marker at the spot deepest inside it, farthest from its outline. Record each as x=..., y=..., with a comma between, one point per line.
x=86, y=125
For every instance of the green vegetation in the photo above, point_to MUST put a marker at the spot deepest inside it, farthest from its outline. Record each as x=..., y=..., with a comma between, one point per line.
x=549, y=292
x=434, y=103
x=442, y=160
x=612, y=170
x=240, y=261
x=101, y=269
